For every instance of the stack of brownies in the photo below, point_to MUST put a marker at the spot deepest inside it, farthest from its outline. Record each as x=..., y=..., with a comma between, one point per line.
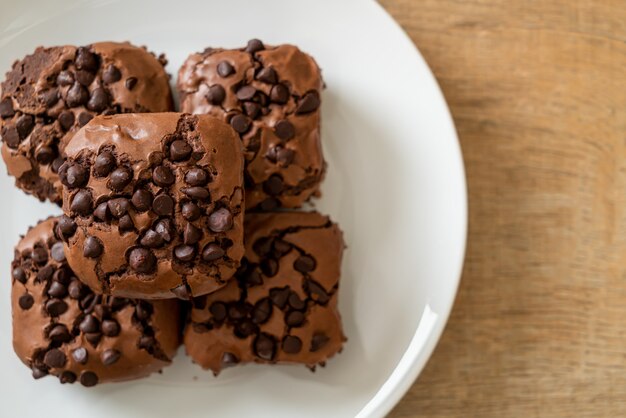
x=177, y=227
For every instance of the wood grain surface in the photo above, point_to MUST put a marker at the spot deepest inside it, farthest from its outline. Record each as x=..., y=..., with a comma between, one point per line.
x=538, y=93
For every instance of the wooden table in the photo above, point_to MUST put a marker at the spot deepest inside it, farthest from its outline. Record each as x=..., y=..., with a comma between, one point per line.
x=538, y=93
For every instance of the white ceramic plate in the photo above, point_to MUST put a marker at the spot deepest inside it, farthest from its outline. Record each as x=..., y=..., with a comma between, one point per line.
x=395, y=184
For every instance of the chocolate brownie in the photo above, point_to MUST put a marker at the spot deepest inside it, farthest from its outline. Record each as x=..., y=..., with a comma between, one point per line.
x=50, y=94
x=271, y=97
x=153, y=204
x=62, y=328
x=283, y=306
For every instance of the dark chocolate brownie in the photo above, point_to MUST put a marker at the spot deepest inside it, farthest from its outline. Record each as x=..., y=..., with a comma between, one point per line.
x=153, y=204
x=283, y=306
x=48, y=95
x=63, y=329
x=271, y=97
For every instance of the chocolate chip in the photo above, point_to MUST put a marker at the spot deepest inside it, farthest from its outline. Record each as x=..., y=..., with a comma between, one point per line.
x=10, y=136
x=216, y=94
x=185, y=252
x=110, y=356
x=57, y=252
x=265, y=346
x=284, y=130
x=273, y=185
x=65, y=78
x=26, y=301
x=181, y=292
x=80, y=355
x=67, y=226
x=24, y=125
x=240, y=123
x=59, y=334
x=55, y=307
x=142, y=200
x=279, y=297
x=19, y=274
x=279, y=94
x=163, y=205
x=57, y=290
x=86, y=60
x=85, y=77
x=84, y=118
x=218, y=310
x=281, y=155
x=45, y=274
x=229, y=360
x=102, y=212
x=120, y=178
x=294, y=318
x=130, y=83
x=62, y=275
x=39, y=373
x=295, y=302
x=152, y=239
x=180, y=150
x=254, y=45
x=245, y=328
x=221, y=220
x=87, y=302
x=267, y=75
x=292, y=344
x=118, y=207
x=318, y=341
x=56, y=164
x=50, y=97
x=269, y=267
x=66, y=119
x=262, y=311
x=88, y=379
x=253, y=278
x=143, y=310
x=212, y=252
x=163, y=176
x=99, y=100
x=245, y=93
x=192, y=234
x=39, y=255
x=104, y=164
x=89, y=324
x=304, y=264
x=55, y=358
x=111, y=74
x=281, y=247
x=6, y=108
x=196, y=177
x=77, y=95
x=262, y=246
x=92, y=247
x=75, y=176
x=125, y=223
x=147, y=343
x=142, y=260
x=44, y=155
x=308, y=103
x=224, y=69
x=191, y=211
x=67, y=377
x=117, y=303
x=164, y=228
x=82, y=203
x=237, y=311
x=317, y=292
x=93, y=338
x=196, y=193
x=251, y=109
x=110, y=327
